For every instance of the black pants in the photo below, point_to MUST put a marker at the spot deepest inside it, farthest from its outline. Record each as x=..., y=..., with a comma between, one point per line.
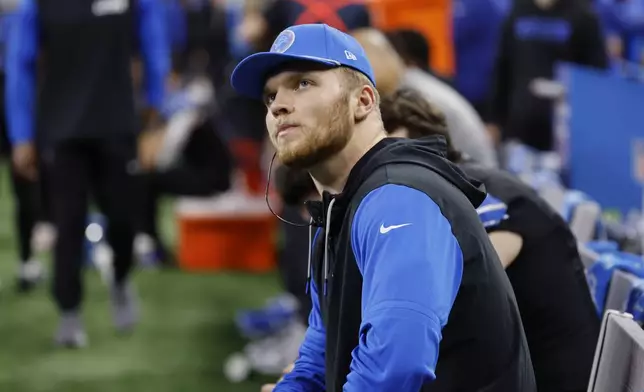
x=75, y=170
x=27, y=212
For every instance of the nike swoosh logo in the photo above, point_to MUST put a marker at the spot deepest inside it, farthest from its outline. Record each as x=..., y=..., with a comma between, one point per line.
x=385, y=230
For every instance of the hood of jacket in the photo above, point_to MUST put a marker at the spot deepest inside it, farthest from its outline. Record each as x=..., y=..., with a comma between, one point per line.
x=428, y=152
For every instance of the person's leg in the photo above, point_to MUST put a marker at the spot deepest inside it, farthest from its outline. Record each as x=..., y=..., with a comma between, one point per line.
x=67, y=167
x=43, y=236
x=150, y=197
x=148, y=238
x=26, y=213
x=25, y=208
x=205, y=170
x=117, y=197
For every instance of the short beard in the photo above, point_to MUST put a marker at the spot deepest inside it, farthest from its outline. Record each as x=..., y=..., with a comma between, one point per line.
x=322, y=143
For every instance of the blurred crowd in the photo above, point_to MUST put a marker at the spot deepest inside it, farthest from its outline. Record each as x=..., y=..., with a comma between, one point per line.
x=117, y=103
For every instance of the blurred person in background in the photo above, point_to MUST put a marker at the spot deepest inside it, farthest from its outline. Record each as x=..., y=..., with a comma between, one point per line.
x=477, y=28
x=323, y=116
x=406, y=70
x=537, y=250
x=388, y=67
x=26, y=190
x=189, y=157
x=536, y=36
x=85, y=126
x=623, y=19
x=414, y=48
x=206, y=48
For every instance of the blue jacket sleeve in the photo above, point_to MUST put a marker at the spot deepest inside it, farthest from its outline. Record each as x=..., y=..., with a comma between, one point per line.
x=308, y=375
x=492, y=211
x=412, y=266
x=155, y=47
x=22, y=53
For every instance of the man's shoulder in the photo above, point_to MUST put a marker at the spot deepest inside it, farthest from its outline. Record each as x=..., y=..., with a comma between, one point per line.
x=441, y=191
x=405, y=173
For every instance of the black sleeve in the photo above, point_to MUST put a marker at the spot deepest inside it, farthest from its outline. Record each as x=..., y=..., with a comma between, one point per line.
x=590, y=42
x=501, y=88
x=523, y=219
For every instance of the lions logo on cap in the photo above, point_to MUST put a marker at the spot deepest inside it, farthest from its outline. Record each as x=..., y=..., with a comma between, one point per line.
x=283, y=41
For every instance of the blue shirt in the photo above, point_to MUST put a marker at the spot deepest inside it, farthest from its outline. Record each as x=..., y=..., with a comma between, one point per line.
x=22, y=52
x=412, y=266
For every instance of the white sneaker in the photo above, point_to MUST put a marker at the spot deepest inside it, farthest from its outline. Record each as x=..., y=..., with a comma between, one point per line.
x=70, y=333
x=30, y=275
x=32, y=270
x=125, y=306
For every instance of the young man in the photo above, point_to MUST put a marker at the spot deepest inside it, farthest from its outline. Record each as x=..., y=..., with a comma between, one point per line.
x=538, y=251
x=382, y=293
x=85, y=126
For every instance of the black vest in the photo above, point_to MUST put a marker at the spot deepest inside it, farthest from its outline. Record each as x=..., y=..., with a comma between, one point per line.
x=483, y=347
x=86, y=87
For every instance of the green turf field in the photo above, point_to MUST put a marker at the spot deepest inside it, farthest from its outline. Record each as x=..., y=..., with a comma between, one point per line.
x=185, y=334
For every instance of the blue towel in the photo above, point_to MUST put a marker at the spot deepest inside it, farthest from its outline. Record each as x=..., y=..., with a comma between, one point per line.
x=636, y=302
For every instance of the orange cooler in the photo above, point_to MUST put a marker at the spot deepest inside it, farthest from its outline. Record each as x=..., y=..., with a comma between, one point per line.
x=231, y=231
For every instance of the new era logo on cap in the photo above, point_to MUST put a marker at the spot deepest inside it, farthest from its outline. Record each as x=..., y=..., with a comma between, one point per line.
x=350, y=56
x=316, y=43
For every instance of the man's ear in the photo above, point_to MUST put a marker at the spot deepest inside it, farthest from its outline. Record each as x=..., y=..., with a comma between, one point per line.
x=366, y=102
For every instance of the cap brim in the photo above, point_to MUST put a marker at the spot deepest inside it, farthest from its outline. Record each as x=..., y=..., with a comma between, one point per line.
x=250, y=74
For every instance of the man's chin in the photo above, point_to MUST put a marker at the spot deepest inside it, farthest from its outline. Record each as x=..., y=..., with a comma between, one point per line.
x=299, y=164
x=295, y=161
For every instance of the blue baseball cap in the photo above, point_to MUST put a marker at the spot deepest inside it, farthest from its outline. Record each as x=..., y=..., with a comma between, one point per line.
x=317, y=43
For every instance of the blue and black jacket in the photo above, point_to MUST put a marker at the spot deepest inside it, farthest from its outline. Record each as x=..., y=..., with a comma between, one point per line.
x=408, y=293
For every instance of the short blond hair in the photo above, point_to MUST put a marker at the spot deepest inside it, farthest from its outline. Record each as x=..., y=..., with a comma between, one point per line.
x=356, y=79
